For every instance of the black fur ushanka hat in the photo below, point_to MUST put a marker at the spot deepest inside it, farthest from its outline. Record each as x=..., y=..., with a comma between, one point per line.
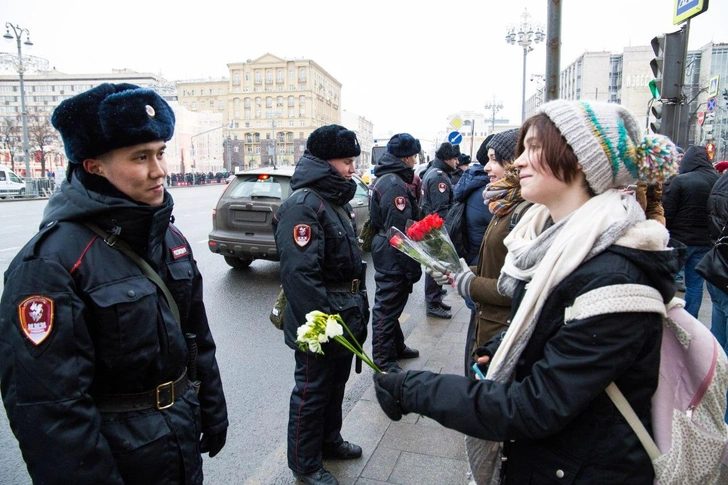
x=111, y=116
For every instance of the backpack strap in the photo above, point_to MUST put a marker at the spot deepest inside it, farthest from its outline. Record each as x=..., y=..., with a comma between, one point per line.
x=518, y=212
x=634, y=422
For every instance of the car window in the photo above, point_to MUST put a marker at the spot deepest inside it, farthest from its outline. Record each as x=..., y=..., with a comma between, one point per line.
x=2, y=175
x=361, y=189
x=259, y=186
x=14, y=178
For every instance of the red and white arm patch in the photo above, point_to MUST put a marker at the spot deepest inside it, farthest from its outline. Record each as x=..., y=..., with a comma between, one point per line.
x=179, y=252
x=36, y=318
x=400, y=203
x=302, y=235
x=442, y=187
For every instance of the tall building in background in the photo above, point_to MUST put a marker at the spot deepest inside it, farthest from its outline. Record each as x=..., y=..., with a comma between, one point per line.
x=269, y=106
x=623, y=78
x=364, y=130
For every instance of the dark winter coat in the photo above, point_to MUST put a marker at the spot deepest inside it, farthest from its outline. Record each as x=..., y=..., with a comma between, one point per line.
x=320, y=259
x=718, y=207
x=112, y=333
x=685, y=199
x=393, y=202
x=554, y=418
x=469, y=189
x=437, y=194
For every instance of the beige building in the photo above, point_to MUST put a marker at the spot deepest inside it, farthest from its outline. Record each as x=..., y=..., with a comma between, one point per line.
x=263, y=100
x=364, y=130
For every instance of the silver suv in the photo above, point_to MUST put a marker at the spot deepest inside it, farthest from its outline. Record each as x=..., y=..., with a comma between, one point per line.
x=242, y=221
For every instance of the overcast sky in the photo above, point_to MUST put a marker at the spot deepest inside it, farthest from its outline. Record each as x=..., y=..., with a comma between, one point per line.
x=405, y=65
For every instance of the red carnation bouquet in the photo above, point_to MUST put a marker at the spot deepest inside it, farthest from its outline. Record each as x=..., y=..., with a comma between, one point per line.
x=427, y=242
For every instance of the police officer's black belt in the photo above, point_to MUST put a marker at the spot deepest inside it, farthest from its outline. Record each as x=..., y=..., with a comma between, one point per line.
x=162, y=397
x=344, y=286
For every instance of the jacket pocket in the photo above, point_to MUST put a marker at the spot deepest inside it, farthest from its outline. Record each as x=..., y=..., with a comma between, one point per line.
x=126, y=315
x=179, y=283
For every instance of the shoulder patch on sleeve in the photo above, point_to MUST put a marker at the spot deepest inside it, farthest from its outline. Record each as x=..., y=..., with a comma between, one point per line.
x=400, y=203
x=36, y=318
x=302, y=235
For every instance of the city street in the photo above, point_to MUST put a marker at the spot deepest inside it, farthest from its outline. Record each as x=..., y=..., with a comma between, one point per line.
x=256, y=366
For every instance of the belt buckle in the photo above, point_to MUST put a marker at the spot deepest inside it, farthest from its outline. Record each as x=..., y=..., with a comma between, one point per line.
x=166, y=388
x=355, y=286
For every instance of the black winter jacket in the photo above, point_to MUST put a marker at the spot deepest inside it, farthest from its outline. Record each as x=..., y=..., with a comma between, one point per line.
x=112, y=333
x=685, y=199
x=718, y=207
x=319, y=254
x=437, y=186
x=469, y=189
x=557, y=423
x=393, y=203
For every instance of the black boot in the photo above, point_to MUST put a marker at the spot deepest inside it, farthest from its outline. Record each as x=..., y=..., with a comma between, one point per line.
x=319, y=477
x=438, y=312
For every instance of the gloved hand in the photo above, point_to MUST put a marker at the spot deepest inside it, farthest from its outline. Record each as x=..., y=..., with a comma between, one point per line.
x=213, y=443
x=463, y=279
x=387, y=389
x=439, y=274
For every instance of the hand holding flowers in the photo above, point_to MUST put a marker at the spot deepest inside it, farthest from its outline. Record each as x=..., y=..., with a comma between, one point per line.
x=427, y=242
x=320, y=327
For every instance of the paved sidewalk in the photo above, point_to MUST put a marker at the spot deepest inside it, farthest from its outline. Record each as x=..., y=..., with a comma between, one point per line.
x=415, y=450
x=418, y=450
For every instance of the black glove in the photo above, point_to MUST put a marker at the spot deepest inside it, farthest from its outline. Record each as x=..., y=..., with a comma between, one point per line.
x=387, y=388
x=213, y=443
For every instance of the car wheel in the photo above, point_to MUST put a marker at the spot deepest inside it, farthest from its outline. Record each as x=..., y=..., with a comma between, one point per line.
x=238, y=263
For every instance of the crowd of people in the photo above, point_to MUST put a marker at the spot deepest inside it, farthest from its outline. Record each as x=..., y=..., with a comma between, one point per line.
x=115, y=371
x=195, y=178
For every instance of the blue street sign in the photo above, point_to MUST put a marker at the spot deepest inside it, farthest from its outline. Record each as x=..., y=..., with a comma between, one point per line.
x=455, y=137
x=711, y=105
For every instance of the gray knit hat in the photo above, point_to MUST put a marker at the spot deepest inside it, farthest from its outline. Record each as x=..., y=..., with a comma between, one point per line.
x=504, y=144
x=607, y=141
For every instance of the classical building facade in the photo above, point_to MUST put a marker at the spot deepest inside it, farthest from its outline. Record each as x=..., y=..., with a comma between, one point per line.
x=269, y=107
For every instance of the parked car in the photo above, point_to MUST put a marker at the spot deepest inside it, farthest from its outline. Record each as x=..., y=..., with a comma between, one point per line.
x=10, y=183
x=242, y=221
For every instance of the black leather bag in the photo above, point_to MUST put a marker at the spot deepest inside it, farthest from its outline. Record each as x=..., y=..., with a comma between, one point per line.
x=714, y=265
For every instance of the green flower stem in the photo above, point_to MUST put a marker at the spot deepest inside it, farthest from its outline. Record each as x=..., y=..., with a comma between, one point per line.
x=363, y=356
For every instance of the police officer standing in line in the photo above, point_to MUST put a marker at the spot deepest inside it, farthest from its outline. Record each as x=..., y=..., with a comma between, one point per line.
x=437, y=197
x=321, y=269
x=98, y=377
x=393, y=202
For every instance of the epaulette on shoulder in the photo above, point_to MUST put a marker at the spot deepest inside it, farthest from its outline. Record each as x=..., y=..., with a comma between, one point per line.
x=439, y=171
x=30, y=248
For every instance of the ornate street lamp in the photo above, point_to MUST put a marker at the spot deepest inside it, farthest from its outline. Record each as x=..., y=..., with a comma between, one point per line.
x=493, y=106
x=525, y=35
x=18, y=35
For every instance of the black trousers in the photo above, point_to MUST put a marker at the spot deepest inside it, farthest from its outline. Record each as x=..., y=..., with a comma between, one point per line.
x=315, y=415
x=389, y=302
x=433, y=293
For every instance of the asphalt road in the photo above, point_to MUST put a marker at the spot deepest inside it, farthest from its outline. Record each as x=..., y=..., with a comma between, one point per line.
x=256, y=366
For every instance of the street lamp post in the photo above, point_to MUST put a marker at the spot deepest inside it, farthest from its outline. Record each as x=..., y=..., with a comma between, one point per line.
x=494, y=106
x=525, y=36
x=18, y=36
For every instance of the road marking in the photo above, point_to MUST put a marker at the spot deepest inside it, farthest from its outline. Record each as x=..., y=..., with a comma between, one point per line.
x=403, y=317
x=204, y=241
x=9, y=249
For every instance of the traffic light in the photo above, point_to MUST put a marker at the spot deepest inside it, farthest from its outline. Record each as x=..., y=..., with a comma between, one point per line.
x=657, y=113
x=667, y=65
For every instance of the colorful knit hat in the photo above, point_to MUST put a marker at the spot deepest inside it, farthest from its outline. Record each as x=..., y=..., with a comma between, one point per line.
x=607, y=141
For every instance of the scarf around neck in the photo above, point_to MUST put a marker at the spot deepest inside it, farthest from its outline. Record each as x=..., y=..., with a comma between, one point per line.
x=502, y=195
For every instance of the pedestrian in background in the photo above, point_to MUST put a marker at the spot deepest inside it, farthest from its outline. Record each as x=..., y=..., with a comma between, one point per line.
x=544, y=397
x=460, y=168
x=469, y=190
x=437, y=197
x=321, y=269
x=393, y=203
x=96, y=374
x=685, y=201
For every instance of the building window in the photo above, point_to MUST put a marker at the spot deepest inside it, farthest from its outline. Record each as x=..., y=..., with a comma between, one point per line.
x=302, y=74
x=247, y=114
x=247, y=102
x=212, y=103
x=194, y=104
x=291, y=74
x=237, y=113
x=258, y=77
x=280, y=75
x=247, y=76
x=268, y=102
x=236, y=79
x=269, y=76
x=219, y=91
x=221, y=105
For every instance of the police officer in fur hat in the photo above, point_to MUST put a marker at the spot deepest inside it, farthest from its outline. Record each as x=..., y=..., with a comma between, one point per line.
x=97, y=376
x=393, y=202
x=437, y=197
x=322, y=270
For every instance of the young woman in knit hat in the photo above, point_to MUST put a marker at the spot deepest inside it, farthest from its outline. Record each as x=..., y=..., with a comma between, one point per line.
x=543, y=401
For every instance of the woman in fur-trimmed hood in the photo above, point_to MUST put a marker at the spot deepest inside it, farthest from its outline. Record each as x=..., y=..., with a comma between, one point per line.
x=543, y=404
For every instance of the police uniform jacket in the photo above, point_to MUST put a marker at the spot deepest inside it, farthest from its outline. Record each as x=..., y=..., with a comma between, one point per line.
x=79, y=320
x=557, y=423
x=321, y=265
x=393, y=202
x=437, y=196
